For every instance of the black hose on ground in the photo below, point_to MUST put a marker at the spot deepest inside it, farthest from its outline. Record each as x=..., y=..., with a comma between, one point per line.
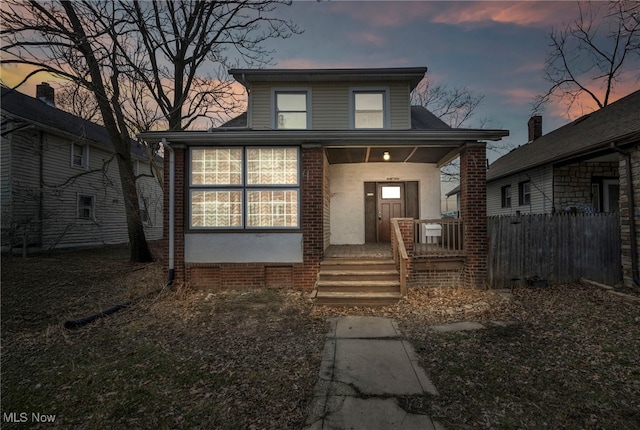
x=71, y=324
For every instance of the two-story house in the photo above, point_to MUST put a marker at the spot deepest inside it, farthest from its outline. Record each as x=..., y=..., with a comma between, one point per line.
x=60, y=184
x=321, y=159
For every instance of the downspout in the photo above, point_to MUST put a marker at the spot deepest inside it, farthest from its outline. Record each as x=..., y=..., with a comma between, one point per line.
x=632, y=225
x=172, y=175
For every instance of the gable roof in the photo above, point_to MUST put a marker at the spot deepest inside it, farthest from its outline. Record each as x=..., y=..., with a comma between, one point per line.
x=617, y=123
x=41, y=114
x=421, y=119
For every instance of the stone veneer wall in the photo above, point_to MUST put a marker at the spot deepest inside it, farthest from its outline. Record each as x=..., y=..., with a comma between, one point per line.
x=255, y=275
x=572, y=183
x=625, y=231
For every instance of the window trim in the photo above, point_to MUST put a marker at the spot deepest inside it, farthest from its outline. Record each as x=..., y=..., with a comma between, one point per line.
x=92, y=216
x=85, y=156
x=505, y=200
x=289, y=90
x=386, y=106
x=244, y=187
x=524, y=199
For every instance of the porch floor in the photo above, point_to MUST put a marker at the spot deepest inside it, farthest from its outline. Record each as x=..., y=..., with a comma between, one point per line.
x=368, y=250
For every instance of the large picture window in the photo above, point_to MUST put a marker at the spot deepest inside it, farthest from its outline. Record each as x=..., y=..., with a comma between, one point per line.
x=252, y=187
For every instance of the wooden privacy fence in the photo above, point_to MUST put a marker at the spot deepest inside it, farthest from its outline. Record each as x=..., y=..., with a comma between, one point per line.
x=559, y=248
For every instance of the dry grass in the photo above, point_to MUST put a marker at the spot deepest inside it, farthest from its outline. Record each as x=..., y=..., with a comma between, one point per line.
x=176, y=359
x=249, y=359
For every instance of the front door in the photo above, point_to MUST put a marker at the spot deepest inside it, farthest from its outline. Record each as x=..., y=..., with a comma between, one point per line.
x=391, y=204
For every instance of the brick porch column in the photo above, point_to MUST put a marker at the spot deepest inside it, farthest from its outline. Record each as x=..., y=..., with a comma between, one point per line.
x=179, y=154
x=473, y=211
x=406, y=230
x=312, y=222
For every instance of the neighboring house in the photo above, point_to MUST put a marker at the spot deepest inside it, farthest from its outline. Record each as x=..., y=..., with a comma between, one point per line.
x=322, y=158
x=60, y=184
x=580, y=167
x=573, y=168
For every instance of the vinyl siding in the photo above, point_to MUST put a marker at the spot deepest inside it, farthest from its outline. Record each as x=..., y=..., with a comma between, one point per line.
x=541, y=193
x=61, y=226
x=22, y=215
x=330, y=105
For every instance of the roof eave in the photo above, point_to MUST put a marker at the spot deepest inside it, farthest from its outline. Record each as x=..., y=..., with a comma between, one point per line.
x=326, y=137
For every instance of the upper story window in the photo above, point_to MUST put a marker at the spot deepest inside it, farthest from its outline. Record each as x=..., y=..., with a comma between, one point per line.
x=506, y=196
x=524, y=193
x=291, y=109
x=79, y=156
x=369, y=108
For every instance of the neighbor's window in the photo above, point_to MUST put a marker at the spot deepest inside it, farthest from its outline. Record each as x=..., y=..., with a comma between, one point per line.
x=369, y=109
x=86, y=207
x=506, y=196
x=145, y=217
x=245, y=187
x=79, y=156
x=524, y=193
x=291, y=110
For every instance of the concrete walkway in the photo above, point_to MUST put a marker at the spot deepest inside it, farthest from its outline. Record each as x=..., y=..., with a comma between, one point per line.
x=365, y=367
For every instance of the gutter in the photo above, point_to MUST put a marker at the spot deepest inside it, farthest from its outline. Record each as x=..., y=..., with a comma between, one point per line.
x=632, y=225
x=172, y=199
x=345, y=138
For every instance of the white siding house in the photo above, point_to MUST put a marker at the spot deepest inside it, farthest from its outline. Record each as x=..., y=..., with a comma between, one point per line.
x=573, y=168
x=60, y=181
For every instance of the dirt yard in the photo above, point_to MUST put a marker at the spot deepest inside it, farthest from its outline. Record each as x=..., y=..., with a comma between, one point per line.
x=557, y=357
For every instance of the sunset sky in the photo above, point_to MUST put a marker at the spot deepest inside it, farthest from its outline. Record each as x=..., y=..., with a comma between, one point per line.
x=495, y=48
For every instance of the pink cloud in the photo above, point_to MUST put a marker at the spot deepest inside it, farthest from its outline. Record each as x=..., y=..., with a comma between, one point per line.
x=369, y=38
x=396, y=14
x=517, y=96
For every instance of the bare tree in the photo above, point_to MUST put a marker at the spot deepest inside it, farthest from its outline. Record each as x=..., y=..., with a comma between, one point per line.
x=143, y=62
x=589, y=55
x=455, y=106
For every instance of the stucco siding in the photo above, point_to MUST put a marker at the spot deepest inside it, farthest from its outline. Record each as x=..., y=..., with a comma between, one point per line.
x=243, y=248
x=329, y=105
x=348, y=200
x=541, y=180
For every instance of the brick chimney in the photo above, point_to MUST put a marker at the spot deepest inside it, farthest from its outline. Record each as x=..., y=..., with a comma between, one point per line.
x=46, y=93
x=535, y=127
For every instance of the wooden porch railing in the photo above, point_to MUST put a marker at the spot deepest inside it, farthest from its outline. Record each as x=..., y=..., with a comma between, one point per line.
x=439, y=237
x=400, y=255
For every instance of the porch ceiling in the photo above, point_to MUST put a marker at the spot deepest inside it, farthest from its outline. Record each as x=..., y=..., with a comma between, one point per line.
x=398, y=154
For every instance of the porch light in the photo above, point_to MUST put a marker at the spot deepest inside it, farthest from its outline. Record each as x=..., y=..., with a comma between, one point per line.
x=386, y=156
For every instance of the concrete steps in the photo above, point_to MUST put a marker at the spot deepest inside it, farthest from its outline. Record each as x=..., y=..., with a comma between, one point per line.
x=355, y=282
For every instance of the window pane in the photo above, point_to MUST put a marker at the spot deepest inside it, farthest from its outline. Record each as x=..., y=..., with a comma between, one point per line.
x=392, y=192
x=272, y=166
x=292, y=102
x=216, y=208
x=292, y=120
x=78, y=155
x=216, y=166
x=272, y=208
x=369, y=110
